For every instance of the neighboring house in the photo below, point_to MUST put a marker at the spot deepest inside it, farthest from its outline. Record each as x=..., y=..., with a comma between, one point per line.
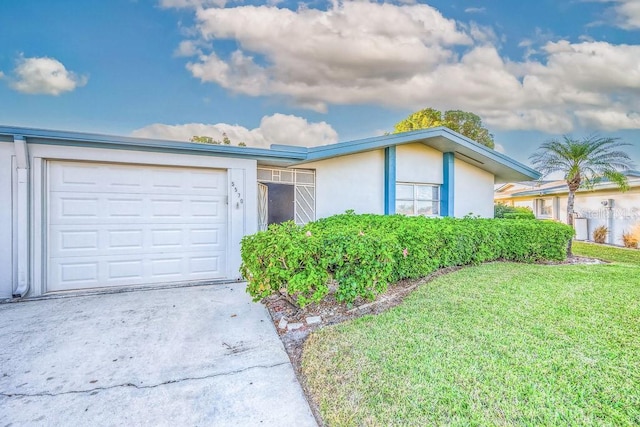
x=604, y=204
x=82, y=211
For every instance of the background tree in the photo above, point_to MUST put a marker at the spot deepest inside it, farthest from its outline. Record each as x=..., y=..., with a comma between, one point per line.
x=582, y=162
x=210, y=140
x=204, y=140
x=463, y=122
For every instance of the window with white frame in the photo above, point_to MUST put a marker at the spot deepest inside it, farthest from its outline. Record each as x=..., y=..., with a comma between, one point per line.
x=417, y=199
x=545, y=208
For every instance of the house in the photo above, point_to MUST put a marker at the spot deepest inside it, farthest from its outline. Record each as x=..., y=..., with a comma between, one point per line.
x=602, y=205
x=82, y=211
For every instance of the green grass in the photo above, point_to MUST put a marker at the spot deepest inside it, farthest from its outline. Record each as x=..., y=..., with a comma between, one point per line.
x=607, y=253
x=496, y=344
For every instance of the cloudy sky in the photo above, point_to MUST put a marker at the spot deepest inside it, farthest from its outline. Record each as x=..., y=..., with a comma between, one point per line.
x=317, y=72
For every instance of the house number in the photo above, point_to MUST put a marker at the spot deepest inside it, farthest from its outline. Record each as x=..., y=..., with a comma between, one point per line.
x=239, y=200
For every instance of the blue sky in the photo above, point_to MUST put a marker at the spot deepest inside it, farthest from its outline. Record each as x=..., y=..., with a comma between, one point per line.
x=319, y=72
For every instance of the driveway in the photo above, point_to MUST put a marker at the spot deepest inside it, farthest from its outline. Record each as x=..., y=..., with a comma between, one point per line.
x=189, y=356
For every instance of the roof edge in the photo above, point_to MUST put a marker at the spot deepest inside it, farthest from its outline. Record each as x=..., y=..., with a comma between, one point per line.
x=350, y=147
x=78, y=138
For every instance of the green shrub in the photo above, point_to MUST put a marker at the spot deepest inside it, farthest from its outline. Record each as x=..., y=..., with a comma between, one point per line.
x=510, y=212
x=285, y=259
x=362, y=254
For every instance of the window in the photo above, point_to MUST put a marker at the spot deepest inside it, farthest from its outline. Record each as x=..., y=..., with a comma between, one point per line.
x=545, y=208
x=418, y=199
x=280, y=187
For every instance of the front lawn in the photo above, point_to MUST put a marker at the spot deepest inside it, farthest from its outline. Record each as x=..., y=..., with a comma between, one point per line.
x=607, y=253
x=496, y=344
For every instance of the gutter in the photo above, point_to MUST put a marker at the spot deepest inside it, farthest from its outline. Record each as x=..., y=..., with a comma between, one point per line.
x=22, y=216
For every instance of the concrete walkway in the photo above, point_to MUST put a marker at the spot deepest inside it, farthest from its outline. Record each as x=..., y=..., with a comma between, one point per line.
x=192, y=356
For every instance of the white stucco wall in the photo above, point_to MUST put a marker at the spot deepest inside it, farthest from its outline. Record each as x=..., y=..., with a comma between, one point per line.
x=243, y=216
x=473, y=190
x=6, y=268
x=418, y=163
x=622, y=218
x=350, y=182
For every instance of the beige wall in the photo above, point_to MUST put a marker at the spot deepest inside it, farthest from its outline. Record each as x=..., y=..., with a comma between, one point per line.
x=473, y=190
x=622, y=218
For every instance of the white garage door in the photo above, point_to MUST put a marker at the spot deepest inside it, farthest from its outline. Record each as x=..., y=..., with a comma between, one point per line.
x=119, y=225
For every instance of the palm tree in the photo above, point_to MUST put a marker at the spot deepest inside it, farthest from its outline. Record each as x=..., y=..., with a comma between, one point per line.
x=582, y=162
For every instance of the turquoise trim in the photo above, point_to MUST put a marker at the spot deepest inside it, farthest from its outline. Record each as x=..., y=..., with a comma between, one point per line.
x=447, y=197
x=390, y=180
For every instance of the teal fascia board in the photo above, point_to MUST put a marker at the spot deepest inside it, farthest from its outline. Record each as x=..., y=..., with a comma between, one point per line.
x=447, y=198
x=390, y=180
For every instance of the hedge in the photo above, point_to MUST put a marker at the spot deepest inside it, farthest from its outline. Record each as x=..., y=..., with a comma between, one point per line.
x=501, y=210
x=362, y=254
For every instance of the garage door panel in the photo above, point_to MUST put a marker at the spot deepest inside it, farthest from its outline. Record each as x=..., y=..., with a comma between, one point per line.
x=109, y=271
x=116, y=225
x=96, y=208
x=98, y=240
x=142, y=179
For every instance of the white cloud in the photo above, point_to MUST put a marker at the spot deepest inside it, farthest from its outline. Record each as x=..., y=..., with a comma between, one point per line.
x=628, y=12
x=44, y=76
x=623, y=13
x=610, y=119
x=475, y=10
x=275, y=129
x=350, y=55
x=187, y=48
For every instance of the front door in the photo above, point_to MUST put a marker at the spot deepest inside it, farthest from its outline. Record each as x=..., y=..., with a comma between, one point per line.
x=281, y=206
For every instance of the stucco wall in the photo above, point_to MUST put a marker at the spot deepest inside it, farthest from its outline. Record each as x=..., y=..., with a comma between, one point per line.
x=473, y=190
x=524, y=204
x=243, y=215
x=622, y=218
x=6, y=269
x=624, y=215
x=350, y=182
x=419, y=164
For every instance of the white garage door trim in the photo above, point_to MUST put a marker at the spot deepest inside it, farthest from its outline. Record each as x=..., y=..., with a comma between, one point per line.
x=111, y=224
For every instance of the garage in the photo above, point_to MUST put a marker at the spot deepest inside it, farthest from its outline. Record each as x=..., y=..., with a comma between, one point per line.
x=112, y=225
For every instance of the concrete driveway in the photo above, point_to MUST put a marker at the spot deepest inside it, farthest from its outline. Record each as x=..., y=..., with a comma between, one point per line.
x=190, y=356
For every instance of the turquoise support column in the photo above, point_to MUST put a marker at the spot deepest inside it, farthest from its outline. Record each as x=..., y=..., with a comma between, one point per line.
x=446, y=191
x=390, y=180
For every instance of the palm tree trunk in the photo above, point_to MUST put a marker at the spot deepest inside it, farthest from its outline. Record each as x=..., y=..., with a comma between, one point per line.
x=570, y=203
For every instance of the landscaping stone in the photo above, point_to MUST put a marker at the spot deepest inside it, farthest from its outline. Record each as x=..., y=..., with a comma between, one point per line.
x=312, y=320
x=282, y=323
x=294, y=326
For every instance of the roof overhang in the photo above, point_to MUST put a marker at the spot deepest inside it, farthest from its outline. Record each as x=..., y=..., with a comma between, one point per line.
x=443, y=139
x=80, y=139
